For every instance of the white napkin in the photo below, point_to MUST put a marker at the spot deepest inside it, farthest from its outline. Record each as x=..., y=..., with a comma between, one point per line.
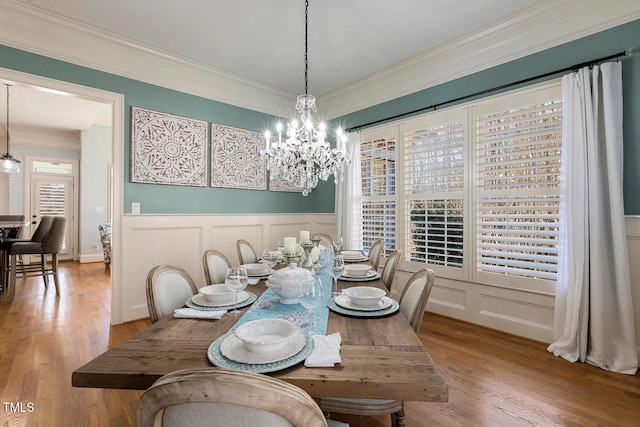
x=253, y=281
x=326, y=351
x=190, y=313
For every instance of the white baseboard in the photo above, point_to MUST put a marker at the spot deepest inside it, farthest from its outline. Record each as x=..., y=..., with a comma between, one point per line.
x=91, y=258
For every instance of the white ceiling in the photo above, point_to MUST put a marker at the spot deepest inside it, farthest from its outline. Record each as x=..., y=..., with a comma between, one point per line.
x=264, y=40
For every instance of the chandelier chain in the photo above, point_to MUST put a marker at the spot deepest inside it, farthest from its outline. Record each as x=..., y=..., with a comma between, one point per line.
x=306, y=47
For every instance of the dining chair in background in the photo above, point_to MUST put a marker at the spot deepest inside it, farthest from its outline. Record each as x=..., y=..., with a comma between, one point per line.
x=47, y=240
x=215, y=265
x=413, y=303
x=375, y=253
x=168, y=288
x=246, y=253
x=390, y=268
x=325, y=240
x=217, y=396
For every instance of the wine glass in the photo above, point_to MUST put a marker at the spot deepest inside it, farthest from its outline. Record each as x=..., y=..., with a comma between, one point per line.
x=236, y=280
x=269, y=258
x=337, y=242
x=337, y=269
x=310, y=295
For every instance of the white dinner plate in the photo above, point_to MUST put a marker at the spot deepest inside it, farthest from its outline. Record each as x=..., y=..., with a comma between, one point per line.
x=371, y=275
x=233, y=348
x=345, y=302
x=200, y=299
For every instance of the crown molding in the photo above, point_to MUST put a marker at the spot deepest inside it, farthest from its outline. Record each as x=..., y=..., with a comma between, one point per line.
x=546, y=24
x=32, y=29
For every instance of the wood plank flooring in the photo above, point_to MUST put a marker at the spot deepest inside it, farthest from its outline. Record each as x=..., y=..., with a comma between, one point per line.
x=495, y=379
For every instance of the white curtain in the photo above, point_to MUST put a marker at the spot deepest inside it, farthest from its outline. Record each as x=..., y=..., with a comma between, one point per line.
x=593, y=310
x=349, y=197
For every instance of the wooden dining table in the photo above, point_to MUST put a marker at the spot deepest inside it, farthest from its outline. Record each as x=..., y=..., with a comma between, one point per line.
x=382, y=358
x=5, y=227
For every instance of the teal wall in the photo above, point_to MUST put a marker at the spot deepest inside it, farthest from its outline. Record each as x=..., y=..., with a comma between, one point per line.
x=168, y=199
x=595, y=46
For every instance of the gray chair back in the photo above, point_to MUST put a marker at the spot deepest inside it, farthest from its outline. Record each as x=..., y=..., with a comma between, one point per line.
x=54, y=239
x=43, y=229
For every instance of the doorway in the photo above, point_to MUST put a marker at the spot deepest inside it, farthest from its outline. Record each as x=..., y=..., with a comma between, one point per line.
x=115, y=102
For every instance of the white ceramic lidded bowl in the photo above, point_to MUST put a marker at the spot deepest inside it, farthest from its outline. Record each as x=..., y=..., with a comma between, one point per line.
x=364, y=296
x=257, y=269
x=286, y=281
x=266, y=335
x=217, y=294
x=357, y=270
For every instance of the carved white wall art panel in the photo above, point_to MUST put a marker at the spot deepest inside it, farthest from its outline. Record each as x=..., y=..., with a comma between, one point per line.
x=168, y=149
x=236, y=160
x=281, y=184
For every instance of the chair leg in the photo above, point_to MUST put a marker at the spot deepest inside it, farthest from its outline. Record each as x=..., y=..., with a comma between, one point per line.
x=21, y=262
x=43, y=269
x=54, y=265
x=398, y=418
x=12, y=278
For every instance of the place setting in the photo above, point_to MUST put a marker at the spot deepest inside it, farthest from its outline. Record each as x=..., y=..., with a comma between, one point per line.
x=270, y=338
x=353, y=256
x=363, y=301
x=359, y=273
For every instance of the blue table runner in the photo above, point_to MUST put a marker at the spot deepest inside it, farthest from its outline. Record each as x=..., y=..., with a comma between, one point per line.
x=269, y=306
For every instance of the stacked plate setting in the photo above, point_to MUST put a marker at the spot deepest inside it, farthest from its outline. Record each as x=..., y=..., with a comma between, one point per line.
x=353, y=256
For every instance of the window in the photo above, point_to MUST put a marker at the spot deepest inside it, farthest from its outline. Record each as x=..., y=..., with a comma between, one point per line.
x=378, y=161
x=475, y=191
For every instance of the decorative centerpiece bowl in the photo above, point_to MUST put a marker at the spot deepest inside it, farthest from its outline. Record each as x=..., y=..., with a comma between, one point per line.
x=266, y=335
x=286, y=281
x=217, y=294
x=364, y=296
x=357, y=270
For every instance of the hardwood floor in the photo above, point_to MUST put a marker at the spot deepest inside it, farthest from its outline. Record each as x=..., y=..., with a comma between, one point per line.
x=495, y=379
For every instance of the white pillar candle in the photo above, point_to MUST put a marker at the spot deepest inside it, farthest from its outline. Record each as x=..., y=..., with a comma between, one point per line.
x=289, y=245
x=304, y=236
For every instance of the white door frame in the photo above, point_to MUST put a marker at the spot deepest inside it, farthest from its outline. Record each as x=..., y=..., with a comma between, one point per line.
x=116, y=100
x=72, y=223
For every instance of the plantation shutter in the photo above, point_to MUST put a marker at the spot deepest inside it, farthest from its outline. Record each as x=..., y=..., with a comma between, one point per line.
x=378, y=160
x=434, y=190
x=517, y=188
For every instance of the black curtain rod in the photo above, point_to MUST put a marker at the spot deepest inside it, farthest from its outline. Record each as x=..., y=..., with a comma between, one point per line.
x=493, y=89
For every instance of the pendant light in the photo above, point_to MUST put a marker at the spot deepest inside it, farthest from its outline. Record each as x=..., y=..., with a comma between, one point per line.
x=8, y=164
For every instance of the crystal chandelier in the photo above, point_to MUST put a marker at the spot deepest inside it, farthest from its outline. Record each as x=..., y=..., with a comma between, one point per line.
x=7, y=163
x=304, y=155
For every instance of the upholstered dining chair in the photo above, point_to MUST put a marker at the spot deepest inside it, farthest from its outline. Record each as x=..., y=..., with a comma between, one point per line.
x=413, y=302
x=217, y=396
x=375, y=253
x=48, y=239
x=246, y=253
x=390, y=268
x=168, y=288
x=215, y=265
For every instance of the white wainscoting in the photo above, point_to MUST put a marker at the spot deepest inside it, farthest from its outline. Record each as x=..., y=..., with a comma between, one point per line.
x=181, y=239
x=517, y=312
x=149, y=240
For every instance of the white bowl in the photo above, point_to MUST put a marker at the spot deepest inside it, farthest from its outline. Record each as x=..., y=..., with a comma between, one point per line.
x=357, y=269
x=218, y=294
x=364, y=296
x=351, y=254
x=256, y=269
x=266, y=335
